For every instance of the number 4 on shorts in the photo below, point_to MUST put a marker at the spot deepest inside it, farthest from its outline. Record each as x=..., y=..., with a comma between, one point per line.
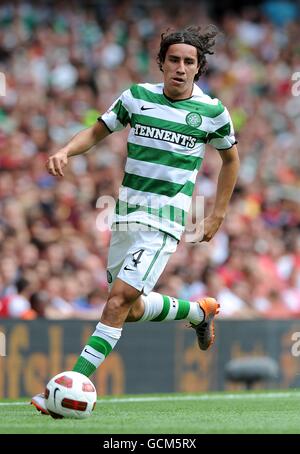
x=136, y=257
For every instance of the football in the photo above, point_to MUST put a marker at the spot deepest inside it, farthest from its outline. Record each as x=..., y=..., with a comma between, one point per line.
x=70, y=395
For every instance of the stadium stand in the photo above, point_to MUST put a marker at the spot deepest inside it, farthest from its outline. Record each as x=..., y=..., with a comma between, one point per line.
x=64, y=66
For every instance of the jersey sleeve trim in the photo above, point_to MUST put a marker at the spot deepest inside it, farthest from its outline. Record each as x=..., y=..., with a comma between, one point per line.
x=100, y=119
x=224, y=149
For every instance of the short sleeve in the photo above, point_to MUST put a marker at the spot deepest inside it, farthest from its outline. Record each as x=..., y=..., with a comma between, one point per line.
x=222, y=137
x=117, y=116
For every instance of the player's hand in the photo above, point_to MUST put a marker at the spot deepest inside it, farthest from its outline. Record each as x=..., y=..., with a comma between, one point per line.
x=211, y=225
x=57, y=162
x=204, y=230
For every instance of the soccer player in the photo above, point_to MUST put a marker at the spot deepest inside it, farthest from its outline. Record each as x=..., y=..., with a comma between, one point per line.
x=170, y=123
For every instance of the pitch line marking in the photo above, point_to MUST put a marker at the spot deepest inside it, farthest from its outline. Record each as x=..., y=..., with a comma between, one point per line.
x=203, y=397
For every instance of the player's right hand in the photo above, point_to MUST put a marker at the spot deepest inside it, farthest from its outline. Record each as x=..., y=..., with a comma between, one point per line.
x=57, y=162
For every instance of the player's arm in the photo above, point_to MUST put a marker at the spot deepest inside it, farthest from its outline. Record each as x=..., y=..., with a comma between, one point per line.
x=79, y=144
x=226, y=182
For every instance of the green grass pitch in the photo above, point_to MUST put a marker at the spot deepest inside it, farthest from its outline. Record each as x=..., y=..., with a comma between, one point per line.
x=265, y=412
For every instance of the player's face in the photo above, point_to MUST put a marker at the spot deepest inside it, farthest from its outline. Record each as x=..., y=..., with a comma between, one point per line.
x=179, y=68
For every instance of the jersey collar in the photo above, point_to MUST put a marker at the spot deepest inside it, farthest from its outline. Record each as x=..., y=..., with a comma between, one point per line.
x=196, y=92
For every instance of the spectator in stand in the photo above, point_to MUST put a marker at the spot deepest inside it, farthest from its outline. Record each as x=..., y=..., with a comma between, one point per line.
x=72, y=74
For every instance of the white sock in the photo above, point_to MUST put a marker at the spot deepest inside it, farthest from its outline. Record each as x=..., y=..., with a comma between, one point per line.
x=160, y=308
x=98, y=347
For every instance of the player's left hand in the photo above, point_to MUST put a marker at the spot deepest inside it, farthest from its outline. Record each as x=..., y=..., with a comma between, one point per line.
x=212, y=224
x=205, y=230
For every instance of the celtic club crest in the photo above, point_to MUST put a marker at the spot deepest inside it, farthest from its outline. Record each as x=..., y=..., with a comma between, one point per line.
x=193, y=119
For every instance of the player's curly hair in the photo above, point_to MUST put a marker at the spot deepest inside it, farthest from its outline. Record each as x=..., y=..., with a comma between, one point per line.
x=190, y=35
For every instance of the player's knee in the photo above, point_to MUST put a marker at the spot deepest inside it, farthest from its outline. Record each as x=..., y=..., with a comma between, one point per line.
x=136, y=310
x=119, y=301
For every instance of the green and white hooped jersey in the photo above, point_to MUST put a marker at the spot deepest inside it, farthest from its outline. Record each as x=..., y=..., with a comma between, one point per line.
x=166, y=145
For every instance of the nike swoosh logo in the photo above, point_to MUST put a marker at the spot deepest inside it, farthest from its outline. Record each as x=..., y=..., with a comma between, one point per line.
x=55, y=391
x=147, y=108
x=92, y=354
x=128, y=269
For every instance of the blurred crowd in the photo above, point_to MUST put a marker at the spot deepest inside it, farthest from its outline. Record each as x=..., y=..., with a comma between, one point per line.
x=65, y=63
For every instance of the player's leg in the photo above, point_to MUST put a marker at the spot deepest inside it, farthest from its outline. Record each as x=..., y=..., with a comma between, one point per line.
x=152, y=306
x=104, y=338
x=121, y=296
x=156, y=307
x=108, y=331
x=161, y=308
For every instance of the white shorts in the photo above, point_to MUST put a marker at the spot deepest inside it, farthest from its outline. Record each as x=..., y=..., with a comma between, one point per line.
x=139, y=257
